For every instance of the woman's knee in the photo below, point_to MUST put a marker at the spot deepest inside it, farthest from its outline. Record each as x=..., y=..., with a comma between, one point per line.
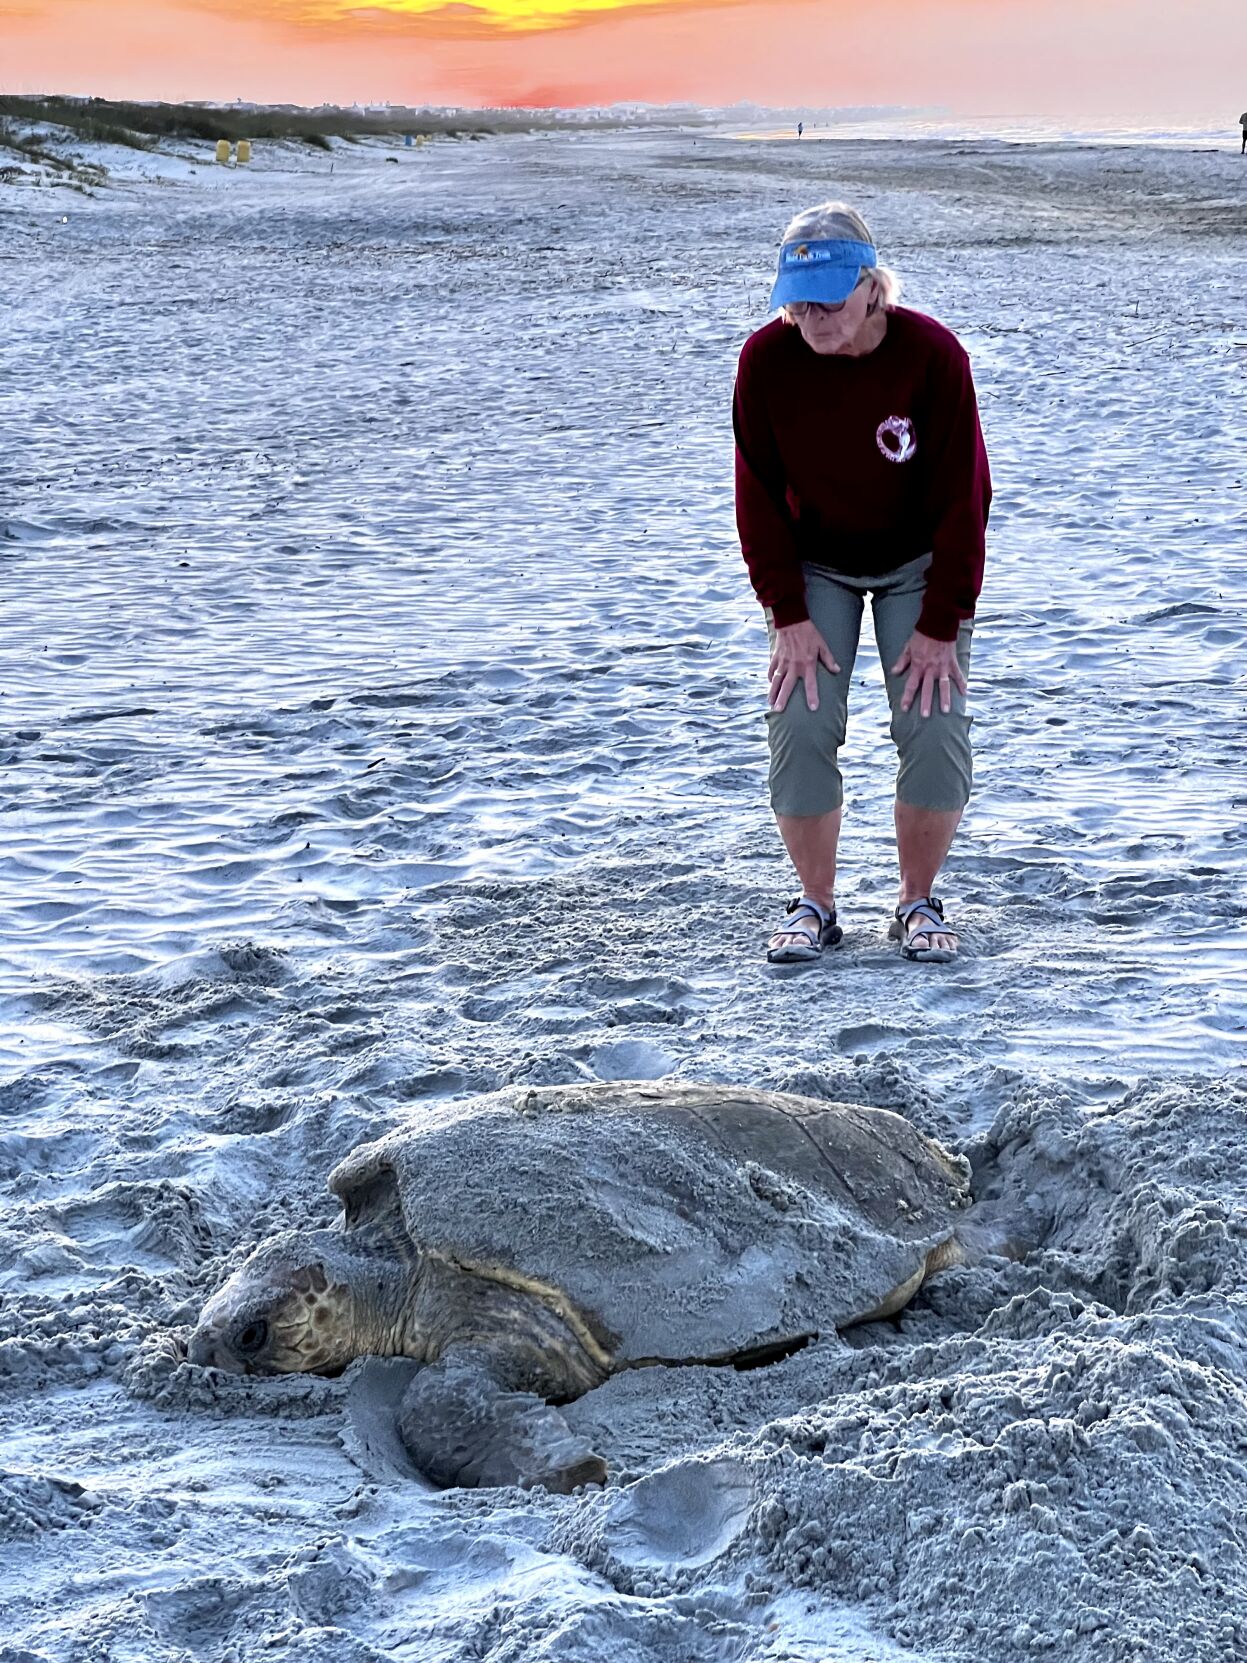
x=804, y=745
x=801, y=738
x=808, y=789
x=936, y=764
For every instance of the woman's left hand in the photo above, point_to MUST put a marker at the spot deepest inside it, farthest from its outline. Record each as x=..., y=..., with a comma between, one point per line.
x=930, y=664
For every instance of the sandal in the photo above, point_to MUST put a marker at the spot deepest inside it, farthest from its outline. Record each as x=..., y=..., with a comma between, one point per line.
x=816, y=923
x=923, y=917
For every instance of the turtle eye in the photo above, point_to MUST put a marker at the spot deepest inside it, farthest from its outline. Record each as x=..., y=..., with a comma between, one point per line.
x=251, y=1338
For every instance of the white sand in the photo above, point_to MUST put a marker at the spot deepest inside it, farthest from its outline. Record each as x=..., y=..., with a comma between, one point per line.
x=382, y=720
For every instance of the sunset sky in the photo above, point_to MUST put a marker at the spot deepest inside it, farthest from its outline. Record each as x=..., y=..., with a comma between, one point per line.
x=1148, y=61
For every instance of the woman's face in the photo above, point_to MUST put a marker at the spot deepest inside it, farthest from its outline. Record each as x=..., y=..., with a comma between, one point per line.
x=836, y=328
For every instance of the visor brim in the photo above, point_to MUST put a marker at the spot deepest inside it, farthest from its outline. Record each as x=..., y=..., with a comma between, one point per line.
x=825, y=285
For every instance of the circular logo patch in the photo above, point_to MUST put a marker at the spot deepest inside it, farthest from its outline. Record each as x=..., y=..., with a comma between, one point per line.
x=895, y=438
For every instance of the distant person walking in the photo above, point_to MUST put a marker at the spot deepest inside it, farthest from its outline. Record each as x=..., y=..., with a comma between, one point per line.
x=800, y=128
x=860, y=469
x=1242, y=122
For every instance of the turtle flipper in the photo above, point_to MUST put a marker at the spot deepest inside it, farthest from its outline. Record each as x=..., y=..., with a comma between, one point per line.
x=463, y=1426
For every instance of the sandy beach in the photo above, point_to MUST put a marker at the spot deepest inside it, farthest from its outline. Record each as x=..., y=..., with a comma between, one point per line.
x=382, y=721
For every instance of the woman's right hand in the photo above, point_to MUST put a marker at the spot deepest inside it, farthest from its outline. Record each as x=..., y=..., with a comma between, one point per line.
x=798, y=649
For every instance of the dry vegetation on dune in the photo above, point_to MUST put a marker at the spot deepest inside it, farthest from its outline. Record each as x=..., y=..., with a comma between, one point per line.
x=33, y=148
x=103, y=121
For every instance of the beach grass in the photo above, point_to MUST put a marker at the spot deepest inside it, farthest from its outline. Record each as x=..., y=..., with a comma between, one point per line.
x=99, y=120
x=142, y=126
x=33, y=149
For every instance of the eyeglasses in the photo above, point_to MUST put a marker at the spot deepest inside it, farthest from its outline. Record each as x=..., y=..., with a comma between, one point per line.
x=802, y=308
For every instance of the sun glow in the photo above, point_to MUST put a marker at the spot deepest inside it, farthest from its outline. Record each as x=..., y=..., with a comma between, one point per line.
x=449, y=19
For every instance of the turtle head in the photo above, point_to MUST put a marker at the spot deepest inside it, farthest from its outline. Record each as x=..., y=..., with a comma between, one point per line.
x=290, y=1309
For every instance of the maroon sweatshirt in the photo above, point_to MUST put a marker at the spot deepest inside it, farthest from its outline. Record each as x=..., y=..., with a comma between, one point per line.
x=861, y=464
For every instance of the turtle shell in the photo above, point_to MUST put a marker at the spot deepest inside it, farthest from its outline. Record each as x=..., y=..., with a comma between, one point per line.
x=681, y=1221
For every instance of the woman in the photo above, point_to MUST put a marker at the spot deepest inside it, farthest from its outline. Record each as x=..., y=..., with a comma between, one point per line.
x=860, y=469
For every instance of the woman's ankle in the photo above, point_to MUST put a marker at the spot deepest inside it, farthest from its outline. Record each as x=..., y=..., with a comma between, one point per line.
x=828, y=905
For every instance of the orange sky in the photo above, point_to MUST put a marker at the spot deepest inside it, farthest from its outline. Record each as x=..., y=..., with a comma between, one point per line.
x=1148, y=60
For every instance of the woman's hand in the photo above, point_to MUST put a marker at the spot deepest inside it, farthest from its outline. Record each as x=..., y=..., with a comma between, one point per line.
x=798, y=649
x=930, y=664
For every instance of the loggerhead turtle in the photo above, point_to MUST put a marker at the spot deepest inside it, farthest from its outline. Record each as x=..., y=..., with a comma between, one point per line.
x=525, y=1245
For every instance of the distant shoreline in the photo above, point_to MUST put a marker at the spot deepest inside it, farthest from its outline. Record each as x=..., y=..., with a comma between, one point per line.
x=83, y=144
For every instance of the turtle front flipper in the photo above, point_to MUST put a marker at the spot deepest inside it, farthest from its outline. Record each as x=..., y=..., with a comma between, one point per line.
x=463, y=1425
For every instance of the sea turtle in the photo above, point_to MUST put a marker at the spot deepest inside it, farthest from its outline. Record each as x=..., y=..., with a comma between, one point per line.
x=526, y=1245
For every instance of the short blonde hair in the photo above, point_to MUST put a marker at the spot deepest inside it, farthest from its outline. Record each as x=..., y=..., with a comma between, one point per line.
x=837, y=219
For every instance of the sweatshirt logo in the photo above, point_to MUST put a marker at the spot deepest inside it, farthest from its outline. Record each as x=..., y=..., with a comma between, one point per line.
x=895, y=438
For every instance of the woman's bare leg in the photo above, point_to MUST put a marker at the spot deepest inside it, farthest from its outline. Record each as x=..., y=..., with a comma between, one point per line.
x=923, y=839
x=811, y=841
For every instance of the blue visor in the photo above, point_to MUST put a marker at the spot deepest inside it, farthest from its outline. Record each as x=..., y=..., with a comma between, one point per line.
x=823, y=271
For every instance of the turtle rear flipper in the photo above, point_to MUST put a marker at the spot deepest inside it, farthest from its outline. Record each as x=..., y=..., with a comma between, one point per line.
x=463, y=1426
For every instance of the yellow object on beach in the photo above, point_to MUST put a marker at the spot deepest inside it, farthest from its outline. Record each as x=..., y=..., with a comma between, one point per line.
x=222, y=150
x=244, y=151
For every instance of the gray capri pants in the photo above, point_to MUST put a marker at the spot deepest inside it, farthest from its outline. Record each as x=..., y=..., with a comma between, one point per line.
x=934, y=751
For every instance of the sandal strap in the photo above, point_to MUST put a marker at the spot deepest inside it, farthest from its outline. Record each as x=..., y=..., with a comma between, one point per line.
x=927, y=906
x=807, y=918
x=802, y=904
